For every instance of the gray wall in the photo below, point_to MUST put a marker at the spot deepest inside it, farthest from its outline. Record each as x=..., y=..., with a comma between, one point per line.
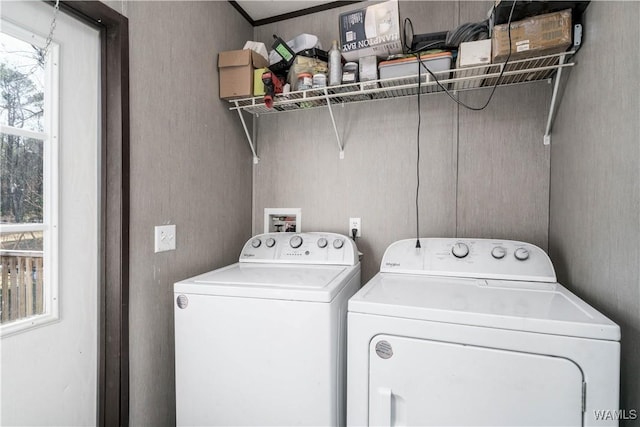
x=483, y=174
x=594, y=237
x=190, y=166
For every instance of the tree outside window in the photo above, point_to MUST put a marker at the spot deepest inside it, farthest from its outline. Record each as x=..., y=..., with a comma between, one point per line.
x=22, y=106
x=28, y=189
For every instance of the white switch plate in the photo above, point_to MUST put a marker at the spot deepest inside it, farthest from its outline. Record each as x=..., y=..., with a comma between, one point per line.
x=165, y=238
x=355, y=223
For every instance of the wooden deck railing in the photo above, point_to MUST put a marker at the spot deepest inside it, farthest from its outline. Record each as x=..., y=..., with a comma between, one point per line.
x=21, y=284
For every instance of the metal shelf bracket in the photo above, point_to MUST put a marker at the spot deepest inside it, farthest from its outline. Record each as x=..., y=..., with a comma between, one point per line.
x=256, y=159
x=554, y=101
x=333, y=122
x=519, y=71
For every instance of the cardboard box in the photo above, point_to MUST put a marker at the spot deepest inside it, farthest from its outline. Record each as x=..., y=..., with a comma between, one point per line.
x=373, y=30
x=536, y=36
x=470, y=56
x=235, y=68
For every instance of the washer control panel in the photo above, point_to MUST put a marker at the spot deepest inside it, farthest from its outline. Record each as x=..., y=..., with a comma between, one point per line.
x=478, y=258
x=302, y=248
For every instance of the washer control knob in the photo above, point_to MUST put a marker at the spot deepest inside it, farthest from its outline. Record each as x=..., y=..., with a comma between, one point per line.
x=270, y=242
x=521, y=254
x=322, y=243
x=256, y=243
x=498, y=252
x=295, y=242
x=338, y=243
x=460, y=250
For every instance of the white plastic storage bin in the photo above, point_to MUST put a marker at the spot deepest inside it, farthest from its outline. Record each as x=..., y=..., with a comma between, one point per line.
x=407, y=69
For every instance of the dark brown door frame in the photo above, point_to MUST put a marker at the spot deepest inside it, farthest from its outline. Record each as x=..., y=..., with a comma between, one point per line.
x=113, y=294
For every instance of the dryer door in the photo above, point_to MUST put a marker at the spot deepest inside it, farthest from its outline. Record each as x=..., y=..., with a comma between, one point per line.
x=416, y=382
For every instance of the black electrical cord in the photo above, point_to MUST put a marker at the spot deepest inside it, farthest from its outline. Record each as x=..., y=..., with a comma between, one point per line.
x=418, y=158
x=407, y=48
x=495, y=86
x=504, y=67
x=468, y=30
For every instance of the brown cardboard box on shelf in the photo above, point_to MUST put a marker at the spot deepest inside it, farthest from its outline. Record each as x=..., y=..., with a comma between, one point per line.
x=536, y=36
x=235, y=68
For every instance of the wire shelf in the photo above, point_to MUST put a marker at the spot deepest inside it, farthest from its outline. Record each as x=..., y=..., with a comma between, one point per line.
x=454, y=80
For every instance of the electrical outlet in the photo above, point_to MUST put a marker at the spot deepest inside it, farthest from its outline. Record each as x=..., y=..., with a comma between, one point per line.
x=165, y=238
x=355, y=223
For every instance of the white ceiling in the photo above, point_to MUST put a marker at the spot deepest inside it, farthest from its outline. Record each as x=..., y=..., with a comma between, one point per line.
x=263, y=9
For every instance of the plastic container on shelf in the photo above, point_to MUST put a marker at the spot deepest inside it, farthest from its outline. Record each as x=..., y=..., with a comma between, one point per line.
x=304, y=64
x=305, y=41
x=305, y=81
x=396, y=68
x=350, y=73
x=319, y=80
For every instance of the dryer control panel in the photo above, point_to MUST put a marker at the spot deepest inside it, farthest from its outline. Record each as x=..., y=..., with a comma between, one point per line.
x=477, y=258
x=302, y=248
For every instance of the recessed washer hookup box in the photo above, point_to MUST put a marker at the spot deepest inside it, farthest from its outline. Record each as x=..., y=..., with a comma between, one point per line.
x=372, y=30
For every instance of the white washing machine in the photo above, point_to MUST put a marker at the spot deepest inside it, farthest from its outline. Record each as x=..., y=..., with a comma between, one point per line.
x=474, y=332
x=263, y=342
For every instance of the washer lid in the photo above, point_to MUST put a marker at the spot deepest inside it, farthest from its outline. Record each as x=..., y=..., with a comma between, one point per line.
x=285, y=282
x=547, y=308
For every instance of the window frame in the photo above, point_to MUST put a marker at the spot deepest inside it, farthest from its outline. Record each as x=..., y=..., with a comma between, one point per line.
x=50, y=177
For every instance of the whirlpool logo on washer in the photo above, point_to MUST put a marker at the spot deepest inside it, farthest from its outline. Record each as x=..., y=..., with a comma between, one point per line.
x=248, y=255
x=392, y=264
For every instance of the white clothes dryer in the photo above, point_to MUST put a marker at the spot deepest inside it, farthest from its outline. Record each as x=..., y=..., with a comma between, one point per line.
x=476, y=332
x=262, y=342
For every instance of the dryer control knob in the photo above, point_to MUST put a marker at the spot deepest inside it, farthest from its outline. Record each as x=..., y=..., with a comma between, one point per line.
x=460, y=250
x=322, y=243
x=270, y=242
x=295, y=242
x=256, y=243
x=498, y=252
x=521, y=254
x=338, y=243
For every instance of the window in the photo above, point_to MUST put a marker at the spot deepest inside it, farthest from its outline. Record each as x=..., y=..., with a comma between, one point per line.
x=28, y=180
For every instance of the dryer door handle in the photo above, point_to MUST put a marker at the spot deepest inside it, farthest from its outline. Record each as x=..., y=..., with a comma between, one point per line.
x=380, y=412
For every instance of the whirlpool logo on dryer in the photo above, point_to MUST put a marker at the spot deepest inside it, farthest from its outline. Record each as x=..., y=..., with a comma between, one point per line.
x=248, y=255
x=392, y=264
